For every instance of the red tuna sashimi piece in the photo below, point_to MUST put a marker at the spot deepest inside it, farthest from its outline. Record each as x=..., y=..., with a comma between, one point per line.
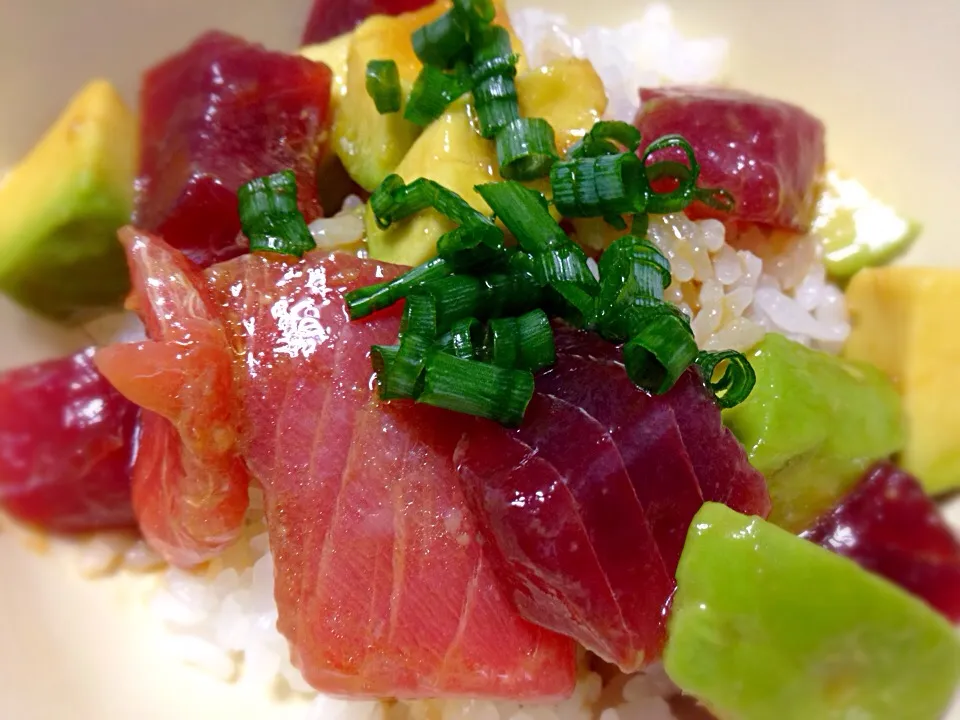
x=576, y=549
x=329, y=18
x=382, y=586
x=66, y=446
x=189, y=482
x=769, y=154
x=889, y=525
x=719, y=461
x=646, y=433
x=214, y=116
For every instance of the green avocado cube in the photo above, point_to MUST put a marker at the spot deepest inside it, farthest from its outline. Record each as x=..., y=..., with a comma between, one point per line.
x=812, y=425
x=768, y=626
x=60, y=209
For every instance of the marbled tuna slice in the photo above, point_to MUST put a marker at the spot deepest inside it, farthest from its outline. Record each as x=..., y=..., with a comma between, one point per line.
x=769, y=154
x=66, y=446
x=214, y=116
x=647, y=435
x=718, y=460
x=575, y=548
x=889, y=525
x=382, y=584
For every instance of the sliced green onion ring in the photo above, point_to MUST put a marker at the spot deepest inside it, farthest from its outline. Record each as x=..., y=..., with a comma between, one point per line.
x=738, y=378
x=464, y=339
x=494, y=90
x=476, y=388
x=661, y=349
x=419, y=316
x=382, y=357
x=602, y=138
x=383, y=86
x=633, y=273
x=685, y=192
x=404, y=375
x=442, y=42
x=607, y=186
x=269, y=215
x=432, y=92
x=716, y=198
x=495, y=100
x=526, y=149
x=524, y=342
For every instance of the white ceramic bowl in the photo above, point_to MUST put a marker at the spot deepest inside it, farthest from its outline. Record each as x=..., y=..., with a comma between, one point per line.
x=880, y=73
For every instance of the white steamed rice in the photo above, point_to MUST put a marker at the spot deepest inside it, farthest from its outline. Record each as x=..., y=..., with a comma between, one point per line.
x=224, y=618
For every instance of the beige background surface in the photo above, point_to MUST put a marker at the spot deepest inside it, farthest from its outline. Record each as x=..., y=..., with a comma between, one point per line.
x=880, y=72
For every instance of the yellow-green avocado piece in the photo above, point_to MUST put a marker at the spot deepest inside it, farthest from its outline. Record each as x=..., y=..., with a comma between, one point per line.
x=812, y=426
x=900, y=319
x=452, y=152
x=60, y=209
x=333, y=54
x=766, y=625
x=369, y=144
x=858, y=230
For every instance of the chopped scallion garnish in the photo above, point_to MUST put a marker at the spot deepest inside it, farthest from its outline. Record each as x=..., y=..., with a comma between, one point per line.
x=526, y=149
x=366, y=300
x=442, y=42
x=604, y=186
x=524, y=342
x=661, y=347
x=432, y=92
x=686, y=181
x=476, y=388
x=494, y=91
x=604, y=137
x=735, y=383
x=403, y=375
x=525, y=213
x=463, y=340
x=393, y=200
x=269, y=215
x=383, y=86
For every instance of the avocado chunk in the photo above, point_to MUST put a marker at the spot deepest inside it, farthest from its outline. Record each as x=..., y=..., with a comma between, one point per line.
x=60, y=209
x=900, y=322
x=858, y=230
x=767, y=625
x=371, y=145
x=812, y=425
x=333, y=54
x=453, y=153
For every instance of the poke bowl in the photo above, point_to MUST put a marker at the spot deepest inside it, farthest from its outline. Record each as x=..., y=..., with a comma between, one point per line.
x=401, y=360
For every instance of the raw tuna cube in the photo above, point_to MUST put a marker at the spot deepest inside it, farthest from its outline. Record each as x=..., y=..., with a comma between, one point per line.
x=574, y=545
x=382, y=584
x=718, y=460
x=214, y=116
x=189, y=482
x=329, y=18
x=769, y=154
x=646, y=433
x=889, y=525
x=66, y=446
